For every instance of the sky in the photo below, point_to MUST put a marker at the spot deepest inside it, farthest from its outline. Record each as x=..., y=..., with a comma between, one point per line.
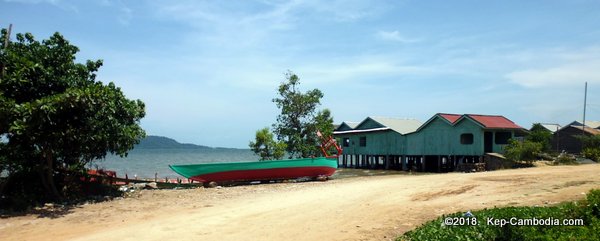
x=208, y=70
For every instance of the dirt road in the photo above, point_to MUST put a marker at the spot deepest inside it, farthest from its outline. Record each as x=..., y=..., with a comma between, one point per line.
x=363, y=208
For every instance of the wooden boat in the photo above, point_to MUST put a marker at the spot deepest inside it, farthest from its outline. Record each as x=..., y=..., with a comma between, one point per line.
x=258, y=170
x=265, y=170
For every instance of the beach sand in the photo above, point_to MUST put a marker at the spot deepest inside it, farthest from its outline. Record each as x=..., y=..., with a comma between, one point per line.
x=359, y=208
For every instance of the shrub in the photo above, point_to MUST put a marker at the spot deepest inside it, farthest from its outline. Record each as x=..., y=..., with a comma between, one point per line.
x=540, y=134
x=591, y=153
x=565, y=159
x=587, y=210
x=522, y=151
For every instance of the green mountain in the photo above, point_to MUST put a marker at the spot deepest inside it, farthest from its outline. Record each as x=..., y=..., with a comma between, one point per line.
x=161, y=142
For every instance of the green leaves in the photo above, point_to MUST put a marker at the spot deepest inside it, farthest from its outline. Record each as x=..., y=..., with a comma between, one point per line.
x=540, y=135
x=266, y=147
x=299, y=120
x=522, y=151
x=53, y=108
x=586, y=211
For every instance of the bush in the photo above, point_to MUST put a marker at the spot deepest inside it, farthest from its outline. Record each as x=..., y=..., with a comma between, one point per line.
x=522, y=151
x=565, y=159
x=587, y=210
x=591, y=153
x=540, y=134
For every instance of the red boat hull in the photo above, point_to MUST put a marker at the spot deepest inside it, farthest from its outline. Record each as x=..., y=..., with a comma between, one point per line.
x=265, y=174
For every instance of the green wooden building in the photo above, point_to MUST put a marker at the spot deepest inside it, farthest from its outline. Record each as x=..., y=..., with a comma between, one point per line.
x=374, y=141
x=447, y=140
x=440, y=144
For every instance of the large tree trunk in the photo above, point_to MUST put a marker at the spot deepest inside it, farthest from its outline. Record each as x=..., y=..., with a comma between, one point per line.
x=3, y=184
x=48, y=176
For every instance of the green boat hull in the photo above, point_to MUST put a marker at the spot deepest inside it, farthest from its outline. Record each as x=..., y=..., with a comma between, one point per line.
x=259, y=170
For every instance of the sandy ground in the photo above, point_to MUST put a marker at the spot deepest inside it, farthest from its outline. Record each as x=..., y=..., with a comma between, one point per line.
x=362, y=208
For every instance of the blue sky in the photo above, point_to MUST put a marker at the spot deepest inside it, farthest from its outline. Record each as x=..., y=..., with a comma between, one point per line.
x=207, y=70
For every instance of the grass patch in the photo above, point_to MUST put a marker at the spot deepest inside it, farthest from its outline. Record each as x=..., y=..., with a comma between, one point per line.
x=586, y=211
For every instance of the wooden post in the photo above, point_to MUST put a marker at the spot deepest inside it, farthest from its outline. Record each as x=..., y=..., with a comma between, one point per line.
x=387, y=162
x=359, y=161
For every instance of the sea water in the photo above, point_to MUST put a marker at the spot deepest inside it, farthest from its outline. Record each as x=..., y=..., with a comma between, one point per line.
x=145, y=163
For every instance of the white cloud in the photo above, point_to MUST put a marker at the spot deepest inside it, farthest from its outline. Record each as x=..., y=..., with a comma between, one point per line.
x=57, y=3
x=245, y=23
x=566, y=68
x=345, y=10
x=395, y=36
x=569, y=74
x=53, y=2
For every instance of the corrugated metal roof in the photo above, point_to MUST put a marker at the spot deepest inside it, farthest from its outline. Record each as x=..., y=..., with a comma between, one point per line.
x=485, y=121
x=399, y=125
x=593, y=124
x=494, y=121
x=551, y=127
x=450, y=117
x=587, y=129
x=347, y=125
x=361, y=131
x=352, y=124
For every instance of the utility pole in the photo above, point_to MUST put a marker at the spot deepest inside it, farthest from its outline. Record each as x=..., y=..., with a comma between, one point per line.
x=584, y=106
x=6, y=40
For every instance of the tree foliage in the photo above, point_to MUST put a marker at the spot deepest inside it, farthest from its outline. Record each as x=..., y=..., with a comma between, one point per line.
x=591, y=141
x=266, y=147
x=54, y=114
x=299, y=119
x=540, y=134
x=522, y=151
x=591, y=146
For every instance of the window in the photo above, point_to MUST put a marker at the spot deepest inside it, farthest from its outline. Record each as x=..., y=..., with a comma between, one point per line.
x=346, y=142
x=363, y=141
x=466, y=139
x=502, y=137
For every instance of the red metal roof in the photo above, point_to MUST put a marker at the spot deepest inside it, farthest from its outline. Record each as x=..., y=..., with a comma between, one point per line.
x=450, y=117
x=494, y=121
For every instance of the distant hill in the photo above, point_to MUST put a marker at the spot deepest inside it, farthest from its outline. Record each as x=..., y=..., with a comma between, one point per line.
x=161, y=142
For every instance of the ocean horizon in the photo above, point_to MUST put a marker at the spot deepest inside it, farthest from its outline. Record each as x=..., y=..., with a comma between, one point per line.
x=144, y=163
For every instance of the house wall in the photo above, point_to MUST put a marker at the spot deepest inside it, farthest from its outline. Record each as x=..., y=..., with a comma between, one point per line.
x=567, y=141
x=386, y=142
x=441, y=138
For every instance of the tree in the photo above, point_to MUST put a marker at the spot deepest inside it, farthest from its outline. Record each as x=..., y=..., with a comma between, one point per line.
x=591, y=146
x=299, y=120
x=540, y=134
x=266, y=147
x=522, y=151
x=55, y=116
x=591, y=141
